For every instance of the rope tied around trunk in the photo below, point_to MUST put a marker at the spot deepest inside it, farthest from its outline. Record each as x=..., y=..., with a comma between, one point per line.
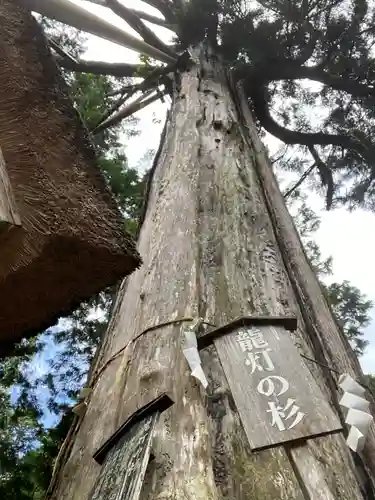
x=96, y=375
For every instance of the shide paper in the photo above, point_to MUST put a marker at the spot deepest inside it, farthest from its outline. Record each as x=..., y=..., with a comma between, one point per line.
x=192, y=357
x=357, y=412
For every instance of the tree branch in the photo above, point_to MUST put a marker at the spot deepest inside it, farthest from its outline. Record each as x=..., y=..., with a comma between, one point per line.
x=132, y=108
x=148, y=86
x=364, y=149
x=259, y=96
x=278, y=158
x=101, y=68
x=334, y=81
x=135, y=22
x=307, y=49
x=299, y=182
x=293, y=70
x=325, y=176
x=112, y=109
x=59, y=50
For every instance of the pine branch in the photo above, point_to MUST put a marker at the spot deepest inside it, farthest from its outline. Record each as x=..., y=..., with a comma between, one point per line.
x=285, y=69
x=336, y=82
x=135, y=22
x=299, y=182
x=148, y=86
x=59, y=50
x=325, y=176
x=259, y=96
x=129, y=110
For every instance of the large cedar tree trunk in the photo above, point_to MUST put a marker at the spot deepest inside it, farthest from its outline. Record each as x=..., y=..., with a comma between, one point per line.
x=218, y=243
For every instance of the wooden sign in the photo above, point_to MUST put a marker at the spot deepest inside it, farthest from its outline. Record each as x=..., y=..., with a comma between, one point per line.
x=125, y=455
x=276, y=396
x=124, y=466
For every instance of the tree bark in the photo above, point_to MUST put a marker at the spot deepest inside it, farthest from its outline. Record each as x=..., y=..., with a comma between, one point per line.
x=213, y=247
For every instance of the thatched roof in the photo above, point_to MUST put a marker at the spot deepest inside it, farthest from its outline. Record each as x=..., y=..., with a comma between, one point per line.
x=71, y=243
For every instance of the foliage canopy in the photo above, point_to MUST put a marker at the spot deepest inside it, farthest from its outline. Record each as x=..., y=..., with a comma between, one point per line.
x=307, y=67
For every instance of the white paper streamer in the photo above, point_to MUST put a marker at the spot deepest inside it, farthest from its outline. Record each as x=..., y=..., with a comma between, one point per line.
x=352, y=401
x=356, y=440
x=190, y=339
x=192, y=357
x=359, y=419
x=358, y=416
x=348, y=384
x=198, y=373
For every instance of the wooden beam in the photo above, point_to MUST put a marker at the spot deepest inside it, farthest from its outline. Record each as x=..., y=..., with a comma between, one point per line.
x=135, y=22
x=143, y=15
x=207, y=338
x=9, y=216
x=69, y=13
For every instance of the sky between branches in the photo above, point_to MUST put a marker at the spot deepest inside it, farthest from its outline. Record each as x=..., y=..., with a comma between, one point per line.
x=348, y=237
